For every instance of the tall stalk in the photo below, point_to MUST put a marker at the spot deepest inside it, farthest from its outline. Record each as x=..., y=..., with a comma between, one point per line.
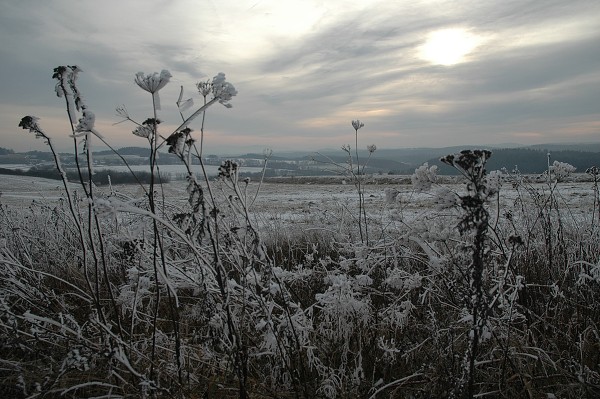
x=362, y=213
x=475, y=219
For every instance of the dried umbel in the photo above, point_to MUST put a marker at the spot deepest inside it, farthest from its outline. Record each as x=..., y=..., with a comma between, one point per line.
x=593, y=171
x=66, y=86
x=31, y=123
x=357, y=124
x=143, y=131
x=469, y=161
x=147, y=128
x=221, y=90
x=228, y=169
x=152, y=83
x=178, y=141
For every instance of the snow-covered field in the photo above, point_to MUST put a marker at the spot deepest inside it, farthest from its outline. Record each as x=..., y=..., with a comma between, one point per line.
x=303, y=292
x=305, y=202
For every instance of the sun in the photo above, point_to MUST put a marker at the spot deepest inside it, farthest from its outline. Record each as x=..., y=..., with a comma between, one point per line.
x=448, y=46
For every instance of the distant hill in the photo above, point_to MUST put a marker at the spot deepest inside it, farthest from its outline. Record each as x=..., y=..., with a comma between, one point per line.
x=417, y=156
x=139, y=151
x=530, y=160
x=586, y=147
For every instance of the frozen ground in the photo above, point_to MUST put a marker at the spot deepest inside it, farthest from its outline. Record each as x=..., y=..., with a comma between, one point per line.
x=311, y=205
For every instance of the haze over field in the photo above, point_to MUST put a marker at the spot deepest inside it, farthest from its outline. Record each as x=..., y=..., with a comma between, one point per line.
x=418, y=73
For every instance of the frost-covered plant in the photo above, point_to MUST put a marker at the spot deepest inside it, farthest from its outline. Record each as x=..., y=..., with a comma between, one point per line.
x=149, y=292
x=476, y=281
x=157, y=296
x=356, y=171
x=471, y=164
x=561, y=170
x=594, y=171
x=540, y=208
x=424, y=177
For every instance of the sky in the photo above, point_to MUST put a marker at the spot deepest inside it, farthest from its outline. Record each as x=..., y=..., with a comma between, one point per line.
x=417, y=73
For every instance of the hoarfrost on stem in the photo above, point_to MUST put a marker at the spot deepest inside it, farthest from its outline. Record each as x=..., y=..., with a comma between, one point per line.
x=493, y=182
x=86, y=122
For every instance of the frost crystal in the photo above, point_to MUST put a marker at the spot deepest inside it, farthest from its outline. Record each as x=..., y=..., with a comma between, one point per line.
x=424, y=177
x=86, y=123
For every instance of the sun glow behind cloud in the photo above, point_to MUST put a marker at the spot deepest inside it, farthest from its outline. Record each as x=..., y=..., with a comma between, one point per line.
x=448, y=46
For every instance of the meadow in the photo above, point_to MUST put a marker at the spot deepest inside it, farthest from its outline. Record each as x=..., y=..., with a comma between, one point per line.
x=481, y=285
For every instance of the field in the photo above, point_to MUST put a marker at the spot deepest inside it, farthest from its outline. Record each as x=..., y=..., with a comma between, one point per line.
x=319, y=202
x=315, y=303
x=485, y=284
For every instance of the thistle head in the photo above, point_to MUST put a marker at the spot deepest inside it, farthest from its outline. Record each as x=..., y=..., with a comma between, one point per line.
x=357, y=124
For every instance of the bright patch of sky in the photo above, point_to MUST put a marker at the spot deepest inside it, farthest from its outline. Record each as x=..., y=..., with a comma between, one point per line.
x=418, y=73
x=449, y=46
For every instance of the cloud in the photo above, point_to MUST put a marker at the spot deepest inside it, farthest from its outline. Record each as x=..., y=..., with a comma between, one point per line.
x=304, y=71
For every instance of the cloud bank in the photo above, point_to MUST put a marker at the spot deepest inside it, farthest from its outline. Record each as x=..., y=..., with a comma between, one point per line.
x=305, y=69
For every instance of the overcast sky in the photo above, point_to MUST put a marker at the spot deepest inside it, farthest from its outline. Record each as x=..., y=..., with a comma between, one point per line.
x=417, y=73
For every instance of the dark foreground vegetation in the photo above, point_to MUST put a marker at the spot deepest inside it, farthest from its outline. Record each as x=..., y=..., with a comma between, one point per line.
x=152, y=297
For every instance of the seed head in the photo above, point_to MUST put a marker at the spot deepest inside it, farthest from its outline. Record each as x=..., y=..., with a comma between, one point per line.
x=152, y=83
x=357, y=124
